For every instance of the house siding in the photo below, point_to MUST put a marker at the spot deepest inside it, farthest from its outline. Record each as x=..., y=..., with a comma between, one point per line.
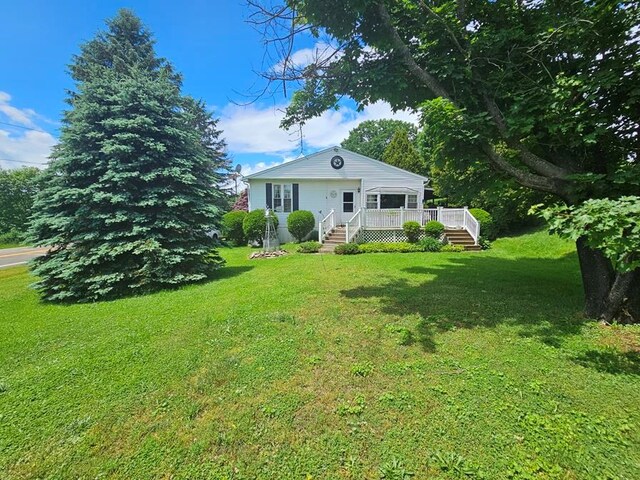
x=317, y=179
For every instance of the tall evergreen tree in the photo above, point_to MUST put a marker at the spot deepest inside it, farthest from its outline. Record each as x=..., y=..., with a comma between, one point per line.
x=131, y=191
x=401, y=153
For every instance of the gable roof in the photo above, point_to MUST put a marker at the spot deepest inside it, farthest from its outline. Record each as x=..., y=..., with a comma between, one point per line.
x=282, y=167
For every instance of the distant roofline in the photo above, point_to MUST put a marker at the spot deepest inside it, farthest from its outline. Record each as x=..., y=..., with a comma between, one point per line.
x=336, y=148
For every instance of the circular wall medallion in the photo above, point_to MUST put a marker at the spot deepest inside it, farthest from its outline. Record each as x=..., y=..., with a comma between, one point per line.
x=337, y=162
x=333, y=194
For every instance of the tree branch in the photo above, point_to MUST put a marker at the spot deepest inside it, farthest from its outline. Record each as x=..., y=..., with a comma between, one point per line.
x=531, y=160
x=425, y=77
x=537, y=164
x=523, y=177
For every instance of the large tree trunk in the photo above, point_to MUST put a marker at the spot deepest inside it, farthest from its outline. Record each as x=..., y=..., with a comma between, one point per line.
x=608, y=295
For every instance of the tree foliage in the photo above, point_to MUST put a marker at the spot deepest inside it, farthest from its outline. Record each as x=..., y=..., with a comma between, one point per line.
x=460, y=174
x=131, y=191
x=18, y=188
x=242, y=202
x=545, y=93
x=371, y=137
x=402, y=154
x=611, y=226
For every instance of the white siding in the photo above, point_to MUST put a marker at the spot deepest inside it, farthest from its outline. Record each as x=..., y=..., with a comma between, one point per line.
x=317, y=180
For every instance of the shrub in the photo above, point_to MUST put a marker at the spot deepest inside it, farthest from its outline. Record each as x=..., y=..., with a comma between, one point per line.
x=484, y=243
x=452, y=248
x=433, y=229
x=412, y=231
x=347, y=249
x=300, y=224
x=309, y=247
x=12, y=236
x=232, y=227
x=255, y=223
x=395, y=247
x=487, y=225
x=430, y=244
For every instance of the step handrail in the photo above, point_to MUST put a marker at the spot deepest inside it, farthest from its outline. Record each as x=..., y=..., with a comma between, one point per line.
x=350, y=232
x=326, y=225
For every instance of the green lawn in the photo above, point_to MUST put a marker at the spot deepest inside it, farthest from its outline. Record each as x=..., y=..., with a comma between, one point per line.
x=10, y=245
x=444, y=365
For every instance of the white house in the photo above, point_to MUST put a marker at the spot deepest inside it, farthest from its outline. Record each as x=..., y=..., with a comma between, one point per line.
x=352, y=197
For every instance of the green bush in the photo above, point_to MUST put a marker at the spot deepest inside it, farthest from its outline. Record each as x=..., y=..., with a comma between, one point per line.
x=452, y=248
x=255, y=223
x=412, y=231
x=309, y=247
x=391, y=247
x=232, y=227
x=11, y=237
x=430, y=244
x=487, y=225
x=434, y=229
x=347, y=249
x=300, y=224
x=484, y=243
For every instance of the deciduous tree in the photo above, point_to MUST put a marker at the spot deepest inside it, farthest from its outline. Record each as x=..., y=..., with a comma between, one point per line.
x=371, y=137
x=548, y=93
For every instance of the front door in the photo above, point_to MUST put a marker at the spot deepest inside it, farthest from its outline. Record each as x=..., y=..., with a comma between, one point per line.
x=349, y=207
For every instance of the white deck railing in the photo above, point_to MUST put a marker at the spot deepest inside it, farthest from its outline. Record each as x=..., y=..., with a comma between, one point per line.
x=394, y=218
x=353, y=226
x=471, y=225
x=326, y=225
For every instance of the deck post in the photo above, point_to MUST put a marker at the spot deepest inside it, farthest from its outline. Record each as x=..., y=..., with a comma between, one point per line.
x=439, y=215
x=464, y=218
x=320, y=236
x=401, y=216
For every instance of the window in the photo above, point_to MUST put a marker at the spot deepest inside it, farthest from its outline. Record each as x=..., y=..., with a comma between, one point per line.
x=372, y=201
x=392, y=200
x=347, y=202
x=287, y=197
x=412, y=201
x=282, y=197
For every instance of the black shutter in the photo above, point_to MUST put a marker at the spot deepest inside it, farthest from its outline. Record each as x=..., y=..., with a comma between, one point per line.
x=269, y=195
x=295, y=197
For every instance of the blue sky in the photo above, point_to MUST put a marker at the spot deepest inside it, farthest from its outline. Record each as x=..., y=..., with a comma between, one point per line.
x=209, y=42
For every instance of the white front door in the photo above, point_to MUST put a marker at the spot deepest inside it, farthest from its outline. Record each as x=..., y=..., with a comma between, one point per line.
x=348, y=205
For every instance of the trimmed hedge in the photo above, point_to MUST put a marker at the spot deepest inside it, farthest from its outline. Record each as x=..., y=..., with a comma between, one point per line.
x=300, y=224
x=412, y=231
x=433, y=229
x=347, y=249
x=232, y=227
x=487, y=225
x=389, y=247
x=309, y=247
x=255, y=224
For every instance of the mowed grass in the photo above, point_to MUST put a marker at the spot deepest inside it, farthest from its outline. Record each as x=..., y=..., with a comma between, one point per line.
x=322, y=367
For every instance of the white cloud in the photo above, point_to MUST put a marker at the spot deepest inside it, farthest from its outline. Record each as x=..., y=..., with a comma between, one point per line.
x=22, y=147
x=254, y=129
x=320, y=52
x=22, y=117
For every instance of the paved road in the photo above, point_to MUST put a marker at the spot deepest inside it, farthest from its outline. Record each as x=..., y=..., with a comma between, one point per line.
x=10, y=257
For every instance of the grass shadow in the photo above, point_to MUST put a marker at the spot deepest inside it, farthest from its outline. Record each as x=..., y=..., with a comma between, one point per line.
x=611, y=361
x=542, y=296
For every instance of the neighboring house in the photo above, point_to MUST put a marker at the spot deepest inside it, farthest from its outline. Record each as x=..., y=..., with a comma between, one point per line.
x=352, y=197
